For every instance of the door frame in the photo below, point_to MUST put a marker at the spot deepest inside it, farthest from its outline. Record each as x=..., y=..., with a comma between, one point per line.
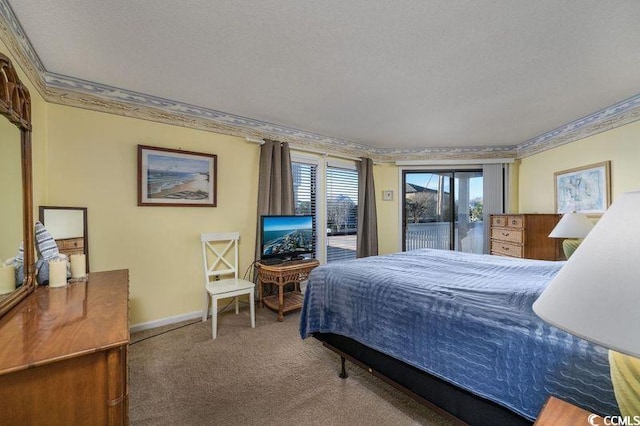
x=402, y=172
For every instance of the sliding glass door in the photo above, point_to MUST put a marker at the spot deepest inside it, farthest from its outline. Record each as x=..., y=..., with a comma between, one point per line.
x=469, y=226
x=442, y=210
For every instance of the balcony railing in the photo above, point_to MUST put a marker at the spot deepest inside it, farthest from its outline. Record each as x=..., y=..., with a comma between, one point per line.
x=436, y=235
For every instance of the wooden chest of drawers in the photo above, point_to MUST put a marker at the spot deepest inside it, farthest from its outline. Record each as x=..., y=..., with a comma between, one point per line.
x=63, y=354
x=71, y=246
x=525, y=236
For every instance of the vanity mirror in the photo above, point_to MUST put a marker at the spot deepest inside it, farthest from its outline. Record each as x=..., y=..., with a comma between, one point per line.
x=68, y=226
x=16, y=208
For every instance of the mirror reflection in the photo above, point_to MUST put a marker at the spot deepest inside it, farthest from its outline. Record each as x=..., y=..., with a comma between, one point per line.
x=11, y=228
x=68, y=226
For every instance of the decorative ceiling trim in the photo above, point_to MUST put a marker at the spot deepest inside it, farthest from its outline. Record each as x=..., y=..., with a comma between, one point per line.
x=14, y=37
x=79, y=93
x=619, y=114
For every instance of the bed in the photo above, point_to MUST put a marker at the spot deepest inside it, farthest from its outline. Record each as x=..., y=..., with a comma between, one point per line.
x=456, y=330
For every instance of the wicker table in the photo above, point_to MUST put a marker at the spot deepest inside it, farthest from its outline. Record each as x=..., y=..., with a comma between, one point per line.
x=281, y=275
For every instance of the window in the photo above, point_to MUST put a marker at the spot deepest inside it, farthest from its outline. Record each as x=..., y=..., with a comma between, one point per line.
x=342, y=213
x=443, y=210
x=304, y=193
x=328, y=190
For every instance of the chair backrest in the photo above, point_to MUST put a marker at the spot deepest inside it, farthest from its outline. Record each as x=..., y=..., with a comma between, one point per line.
x=214, y=250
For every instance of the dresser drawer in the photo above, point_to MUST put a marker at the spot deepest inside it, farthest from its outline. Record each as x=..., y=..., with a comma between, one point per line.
x=507, y=221
x=507, y=234
x=499, y=221
x=506, y=249
x=515, y=221
x=71, y=246
x=71, y=243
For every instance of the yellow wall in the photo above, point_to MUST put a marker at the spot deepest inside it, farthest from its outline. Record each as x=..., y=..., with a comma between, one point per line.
x=89, y=159
x=621, y=146
x=385, y=177
x=92, y=162
x=514, y=183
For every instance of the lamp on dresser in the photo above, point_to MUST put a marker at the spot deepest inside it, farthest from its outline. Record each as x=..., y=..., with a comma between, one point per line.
x=596, y=296
x=572, y=226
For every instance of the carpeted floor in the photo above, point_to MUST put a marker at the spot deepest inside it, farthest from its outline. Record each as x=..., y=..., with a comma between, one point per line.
x=261, y=376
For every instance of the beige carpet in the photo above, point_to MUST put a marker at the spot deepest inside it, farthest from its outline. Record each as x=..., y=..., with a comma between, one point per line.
x=261, y=376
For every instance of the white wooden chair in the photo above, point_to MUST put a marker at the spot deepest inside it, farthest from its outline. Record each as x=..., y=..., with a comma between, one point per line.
x=214, y=249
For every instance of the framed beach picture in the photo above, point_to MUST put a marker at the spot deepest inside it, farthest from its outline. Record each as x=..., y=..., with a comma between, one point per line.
x=584, y=189
x=172, y=177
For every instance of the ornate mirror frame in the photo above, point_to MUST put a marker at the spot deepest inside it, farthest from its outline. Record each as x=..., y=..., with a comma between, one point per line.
x=15, y=105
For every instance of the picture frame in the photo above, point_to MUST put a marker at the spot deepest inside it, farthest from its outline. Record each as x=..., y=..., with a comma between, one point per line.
x=176, y=178
x=585, y=189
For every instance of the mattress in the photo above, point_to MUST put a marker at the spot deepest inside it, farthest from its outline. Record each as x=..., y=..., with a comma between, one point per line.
x=465, y=318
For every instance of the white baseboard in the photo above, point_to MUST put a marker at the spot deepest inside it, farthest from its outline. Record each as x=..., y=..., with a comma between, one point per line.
x=165, y=321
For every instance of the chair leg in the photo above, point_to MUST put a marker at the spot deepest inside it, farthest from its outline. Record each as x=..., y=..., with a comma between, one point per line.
x=214, y=316
x=205, y=311
x=237, y=305
x=252, y=310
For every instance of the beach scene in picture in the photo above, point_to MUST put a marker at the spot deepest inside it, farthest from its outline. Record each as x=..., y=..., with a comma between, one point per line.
x=171, y=177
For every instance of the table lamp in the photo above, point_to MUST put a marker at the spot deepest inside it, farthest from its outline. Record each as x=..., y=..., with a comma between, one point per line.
x=596, y=296
x=572, y=226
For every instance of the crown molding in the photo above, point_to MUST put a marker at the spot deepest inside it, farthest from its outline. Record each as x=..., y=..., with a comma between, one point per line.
x=619, y=114
x=19, y=46
x=70, y=91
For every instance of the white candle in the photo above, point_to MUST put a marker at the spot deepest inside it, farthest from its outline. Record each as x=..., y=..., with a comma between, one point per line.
x=7, y=279
x=78, y=266
x=57, y=273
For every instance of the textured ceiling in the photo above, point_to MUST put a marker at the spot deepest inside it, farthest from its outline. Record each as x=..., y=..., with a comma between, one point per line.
x=389, y=74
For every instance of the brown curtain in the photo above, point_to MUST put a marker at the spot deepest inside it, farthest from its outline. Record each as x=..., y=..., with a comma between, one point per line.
x=275, y=184
x=367, y=243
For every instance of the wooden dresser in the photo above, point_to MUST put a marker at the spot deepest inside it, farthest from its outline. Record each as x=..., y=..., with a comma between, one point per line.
x=71, y=246
x=525, y=236
x=63, y=354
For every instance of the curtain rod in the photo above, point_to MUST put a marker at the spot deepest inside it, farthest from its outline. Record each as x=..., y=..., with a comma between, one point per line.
x=310, y=151
x=453, y=162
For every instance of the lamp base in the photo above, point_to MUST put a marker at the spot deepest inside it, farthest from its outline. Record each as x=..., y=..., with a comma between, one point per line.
x=625, y=376
x=569, y=246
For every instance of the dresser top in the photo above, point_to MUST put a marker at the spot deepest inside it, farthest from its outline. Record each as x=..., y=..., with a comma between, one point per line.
x=53, y=324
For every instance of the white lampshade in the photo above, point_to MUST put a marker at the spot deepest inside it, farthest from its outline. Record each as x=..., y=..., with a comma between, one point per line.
x=572, y=225
x=596, y=294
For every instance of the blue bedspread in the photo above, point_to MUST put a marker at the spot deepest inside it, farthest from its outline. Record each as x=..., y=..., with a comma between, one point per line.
x=465, y=318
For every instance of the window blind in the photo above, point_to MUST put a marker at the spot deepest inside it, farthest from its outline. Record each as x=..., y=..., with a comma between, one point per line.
x=304, y=193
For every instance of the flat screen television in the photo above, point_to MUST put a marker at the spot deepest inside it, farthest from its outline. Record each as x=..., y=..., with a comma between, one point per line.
x=286, y=237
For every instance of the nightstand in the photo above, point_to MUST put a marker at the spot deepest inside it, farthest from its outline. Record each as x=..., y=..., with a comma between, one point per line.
x=559, y=413
x=281, y=275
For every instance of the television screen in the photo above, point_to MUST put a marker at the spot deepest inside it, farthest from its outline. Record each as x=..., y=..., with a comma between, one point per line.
x=286, y=236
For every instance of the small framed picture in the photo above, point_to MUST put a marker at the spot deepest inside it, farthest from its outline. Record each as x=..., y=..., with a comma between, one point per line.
x=171, y=177
x=584, y=189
